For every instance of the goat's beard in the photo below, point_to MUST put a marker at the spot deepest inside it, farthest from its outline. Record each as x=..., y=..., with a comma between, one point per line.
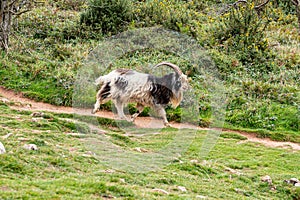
x=176, y=99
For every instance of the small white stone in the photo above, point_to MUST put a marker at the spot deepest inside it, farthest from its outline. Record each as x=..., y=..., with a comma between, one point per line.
x=267, y=179
x=182, y=189
x=201, y=197
x=233, y=171
x=4, y=100
x=297, y=185
x=38, y=114
x=30, y=147
x=194, y=161
x=109, y=171
x=2, y=149
x=122, y=180
x=141, y=150
x=160, y=191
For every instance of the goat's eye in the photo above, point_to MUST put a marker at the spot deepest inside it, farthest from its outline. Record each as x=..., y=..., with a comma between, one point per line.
x=177, y=84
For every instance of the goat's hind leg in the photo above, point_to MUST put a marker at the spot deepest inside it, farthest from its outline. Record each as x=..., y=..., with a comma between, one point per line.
x=120, y=110
x=96, y=106
x=98, y=101
x=102, y=94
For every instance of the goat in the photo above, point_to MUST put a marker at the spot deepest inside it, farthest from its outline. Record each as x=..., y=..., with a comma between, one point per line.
x=124, y=86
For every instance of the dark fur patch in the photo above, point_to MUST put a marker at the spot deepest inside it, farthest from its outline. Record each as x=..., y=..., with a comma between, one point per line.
x=121, y=83
x=106, y=91
x=161, y=89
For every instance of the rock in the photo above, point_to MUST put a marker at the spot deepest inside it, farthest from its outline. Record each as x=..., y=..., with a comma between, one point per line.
x=182, y=189
x=160, y=191
x=297, y=184
x=141, y=150
x=30, y=147
x=38, y=114
x=2, y=149
x=233, y=171
x=177, y=160
x=194, y=161
x=34, y=119
x=201, y=197
x=109, y=171
x=267, y=179
x=293, y=181
x=4, y=100
x=122, y=180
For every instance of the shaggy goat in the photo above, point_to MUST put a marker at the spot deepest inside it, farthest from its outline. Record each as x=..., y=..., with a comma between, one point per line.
x=123, y=86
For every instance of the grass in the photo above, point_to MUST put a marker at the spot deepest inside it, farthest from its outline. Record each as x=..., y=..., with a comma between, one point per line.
x=64, y=167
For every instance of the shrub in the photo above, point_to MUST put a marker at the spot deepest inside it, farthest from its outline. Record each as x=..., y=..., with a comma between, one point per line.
x=243, y=30
x=108, y=16
x=171, y=14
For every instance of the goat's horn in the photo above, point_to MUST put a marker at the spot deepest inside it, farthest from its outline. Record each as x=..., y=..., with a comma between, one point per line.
x=173, y=66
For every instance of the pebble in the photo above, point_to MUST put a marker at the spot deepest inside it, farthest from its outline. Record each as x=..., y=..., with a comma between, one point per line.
x=4, y=100
x=233, y=171
x=182, y=189
x=201, y=197
x=293, y=181
x=267, y=179
x=141, y=150
x=30, y=147
x=160, y=191
x=38, y=114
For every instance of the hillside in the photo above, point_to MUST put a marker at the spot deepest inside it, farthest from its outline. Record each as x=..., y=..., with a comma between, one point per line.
x=244, y=66
x=259, y=65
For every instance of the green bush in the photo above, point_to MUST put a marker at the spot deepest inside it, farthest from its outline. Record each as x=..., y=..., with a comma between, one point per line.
x=172, y=14
x=108, y=16
x=242, y=30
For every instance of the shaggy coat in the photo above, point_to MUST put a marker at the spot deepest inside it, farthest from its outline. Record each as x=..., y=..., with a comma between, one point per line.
x=124, y=86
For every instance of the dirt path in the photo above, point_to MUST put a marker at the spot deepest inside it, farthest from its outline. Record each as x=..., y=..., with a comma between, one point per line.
x=22, y=103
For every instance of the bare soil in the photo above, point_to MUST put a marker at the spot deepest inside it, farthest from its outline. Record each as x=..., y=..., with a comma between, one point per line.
x=22, y=103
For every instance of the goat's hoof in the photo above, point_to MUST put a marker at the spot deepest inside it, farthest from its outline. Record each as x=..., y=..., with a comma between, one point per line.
x=93, y=112
x=132, y=119
x=167, y=125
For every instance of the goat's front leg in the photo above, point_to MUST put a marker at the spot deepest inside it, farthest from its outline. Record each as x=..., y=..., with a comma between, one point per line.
x=161, y=112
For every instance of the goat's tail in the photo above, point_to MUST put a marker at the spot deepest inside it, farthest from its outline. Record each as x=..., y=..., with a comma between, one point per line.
x=99, y=81
x=107, y=78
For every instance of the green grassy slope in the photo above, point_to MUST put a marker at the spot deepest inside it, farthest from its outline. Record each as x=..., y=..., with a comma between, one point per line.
x=63, y=167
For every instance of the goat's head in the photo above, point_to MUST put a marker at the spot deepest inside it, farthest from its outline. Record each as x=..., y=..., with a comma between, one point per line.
x=182, y=83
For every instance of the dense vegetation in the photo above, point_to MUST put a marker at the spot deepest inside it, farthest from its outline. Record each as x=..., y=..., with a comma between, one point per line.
x=256, y=53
